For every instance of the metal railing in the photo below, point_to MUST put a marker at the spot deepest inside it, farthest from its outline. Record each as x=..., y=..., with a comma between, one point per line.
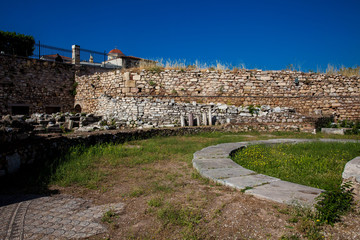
x=87, y=57
x=49, y=53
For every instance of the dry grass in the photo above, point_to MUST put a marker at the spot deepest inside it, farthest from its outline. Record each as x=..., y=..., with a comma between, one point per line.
x=348, y=72
x=184, y=65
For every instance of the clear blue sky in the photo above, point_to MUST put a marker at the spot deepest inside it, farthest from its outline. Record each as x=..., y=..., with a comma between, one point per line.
x=260, y=34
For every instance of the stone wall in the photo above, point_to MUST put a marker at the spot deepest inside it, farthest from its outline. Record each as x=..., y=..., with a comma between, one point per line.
x=153, y=112
x=314, y=95
x=36, y=85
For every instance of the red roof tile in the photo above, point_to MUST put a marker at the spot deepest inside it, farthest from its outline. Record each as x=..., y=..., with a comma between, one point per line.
x=116, y=51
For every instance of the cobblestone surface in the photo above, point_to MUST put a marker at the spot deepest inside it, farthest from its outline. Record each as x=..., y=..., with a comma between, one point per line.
x=51, y=217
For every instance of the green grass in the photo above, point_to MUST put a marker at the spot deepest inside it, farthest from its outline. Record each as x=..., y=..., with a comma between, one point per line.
x=88, y=166
x=315, y=164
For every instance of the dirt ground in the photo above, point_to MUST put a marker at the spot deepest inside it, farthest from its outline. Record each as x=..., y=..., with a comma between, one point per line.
x=169, y=200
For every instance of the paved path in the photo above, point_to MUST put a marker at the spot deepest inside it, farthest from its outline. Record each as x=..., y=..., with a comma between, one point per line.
x=214, y=163
x=51, y=217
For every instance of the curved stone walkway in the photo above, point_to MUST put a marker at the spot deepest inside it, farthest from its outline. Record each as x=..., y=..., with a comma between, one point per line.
x=214, y=163
x=51, y=217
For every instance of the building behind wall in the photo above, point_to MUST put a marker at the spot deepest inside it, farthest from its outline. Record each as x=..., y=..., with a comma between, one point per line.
x=117, y=59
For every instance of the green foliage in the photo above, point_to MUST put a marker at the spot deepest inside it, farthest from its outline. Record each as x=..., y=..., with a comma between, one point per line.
x=323, y=122
x=73, y=91
x=253, y=110
x=314, y=164
x=108, y=216
x=103, y=123
x=328, y=122
x=152, y=83
x=333, y=204
x=156, y=202
x=16, y=44
x=137, y=192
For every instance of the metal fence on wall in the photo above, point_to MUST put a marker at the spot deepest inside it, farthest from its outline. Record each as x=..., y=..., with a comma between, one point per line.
x=46, y=52
x=87, y=57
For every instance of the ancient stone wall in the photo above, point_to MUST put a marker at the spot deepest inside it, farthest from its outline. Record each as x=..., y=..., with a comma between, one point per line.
x=310, y=94
x=35, y=86
x=149, y=112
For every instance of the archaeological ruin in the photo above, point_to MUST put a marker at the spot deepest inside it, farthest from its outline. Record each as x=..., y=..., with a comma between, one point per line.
x=63, y=96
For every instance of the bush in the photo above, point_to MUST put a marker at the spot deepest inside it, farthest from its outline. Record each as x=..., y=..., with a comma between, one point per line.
x=333, y=204
x=323, y=122
x=16, y=44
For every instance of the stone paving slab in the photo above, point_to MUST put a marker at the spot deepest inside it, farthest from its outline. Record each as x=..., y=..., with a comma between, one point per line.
x=249, y=181
x=205, y=164
x=214, y=163
x=51, y=217
x=224, y=173
x=286, y=192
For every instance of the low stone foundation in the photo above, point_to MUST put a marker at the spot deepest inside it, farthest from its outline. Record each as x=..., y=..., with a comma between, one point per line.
x=36, y=149
x=352, y=174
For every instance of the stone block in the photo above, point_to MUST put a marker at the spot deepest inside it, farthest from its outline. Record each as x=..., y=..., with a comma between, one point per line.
x=136, y=77
x=253, y=180
x=126, y=76
x=339, y=131
x=286, y=192
x=130, y=83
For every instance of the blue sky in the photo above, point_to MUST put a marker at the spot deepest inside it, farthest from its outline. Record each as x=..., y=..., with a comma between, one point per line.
x=260, y=34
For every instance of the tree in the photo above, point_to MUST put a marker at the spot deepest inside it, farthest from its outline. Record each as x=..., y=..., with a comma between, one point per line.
x=16, y=44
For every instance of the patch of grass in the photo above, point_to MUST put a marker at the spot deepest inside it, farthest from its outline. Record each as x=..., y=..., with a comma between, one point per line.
x=156, y=202
x=314, y=164
x=157, y=187
x=171, y=214
x=89, y=166
x=78, y=167
x=304, y=221
x=108, y=216
x=137, y=192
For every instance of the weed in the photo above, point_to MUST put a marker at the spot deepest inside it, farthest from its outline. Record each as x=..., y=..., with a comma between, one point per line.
x=253, y=110
x=179, y=216
x=284, y=211
x=293, y=220
x=73, y=89
x=152, y=83
x=137, y=192
x=333, y=204
x=108, y=216
x=161, y=188
x=156, y=202
x=245, y=189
